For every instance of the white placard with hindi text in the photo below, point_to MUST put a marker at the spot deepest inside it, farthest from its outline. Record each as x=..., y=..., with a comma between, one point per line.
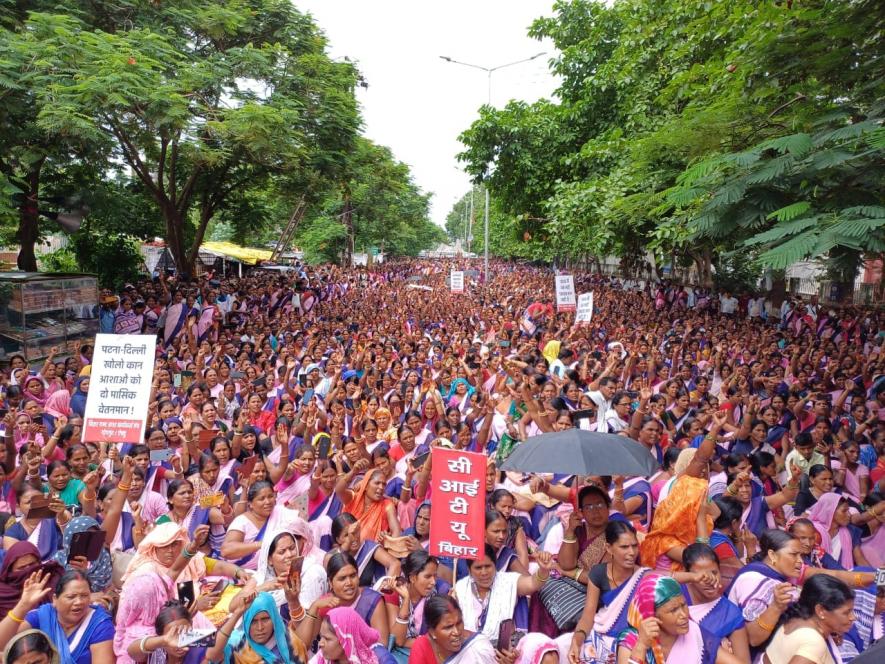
x=119, y=388
x=565, y=292
x=457, y=281
x=585, y=308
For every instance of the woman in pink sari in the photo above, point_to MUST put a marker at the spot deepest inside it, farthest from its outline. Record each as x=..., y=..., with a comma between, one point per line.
x=831, y=517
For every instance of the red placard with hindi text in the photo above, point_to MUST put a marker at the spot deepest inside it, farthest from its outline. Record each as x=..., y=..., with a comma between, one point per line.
x=458, y=492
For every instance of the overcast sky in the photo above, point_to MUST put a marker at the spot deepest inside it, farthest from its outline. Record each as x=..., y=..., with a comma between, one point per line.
x=418, y=104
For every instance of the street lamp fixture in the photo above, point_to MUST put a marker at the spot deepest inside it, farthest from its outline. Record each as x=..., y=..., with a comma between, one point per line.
x=489, y=71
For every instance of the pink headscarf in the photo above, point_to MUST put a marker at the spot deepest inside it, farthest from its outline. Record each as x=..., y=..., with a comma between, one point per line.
x=146, y=560
x=58, y=404
x=140, y=602
x=821, y=515
x=355, y=636
x=533, y=646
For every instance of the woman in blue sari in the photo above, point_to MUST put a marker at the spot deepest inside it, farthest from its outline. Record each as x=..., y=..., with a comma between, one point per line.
x=372, y=560
x=420, y=530
x=262, y=636
x=707, y=606
x=406, y=615
x=44, y=533
x=81, y=633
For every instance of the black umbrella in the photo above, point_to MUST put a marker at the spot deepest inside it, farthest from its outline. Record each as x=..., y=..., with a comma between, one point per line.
x=579, y=452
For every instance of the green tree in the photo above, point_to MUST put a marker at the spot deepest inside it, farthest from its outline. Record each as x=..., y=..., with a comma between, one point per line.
x=378, y=205
x=201, y=99
x=651, y=89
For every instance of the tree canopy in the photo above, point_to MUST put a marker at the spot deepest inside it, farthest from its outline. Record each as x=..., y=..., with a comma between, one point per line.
x=697, y=131
x=207, y=109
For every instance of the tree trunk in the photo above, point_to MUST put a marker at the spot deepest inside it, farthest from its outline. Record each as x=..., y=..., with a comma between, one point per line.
x=29, y=218
x=778, y=292
x=175, y=238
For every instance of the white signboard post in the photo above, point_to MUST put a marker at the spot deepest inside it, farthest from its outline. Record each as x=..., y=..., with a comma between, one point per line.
x=119, y=388
x=585, y=308
x=565, y=292
x=457, y=281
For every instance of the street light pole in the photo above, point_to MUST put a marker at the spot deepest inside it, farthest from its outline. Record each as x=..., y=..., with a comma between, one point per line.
x=489, y=71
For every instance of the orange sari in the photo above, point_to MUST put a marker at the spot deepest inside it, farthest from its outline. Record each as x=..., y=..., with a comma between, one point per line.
x=372, y=517
x=675, y=521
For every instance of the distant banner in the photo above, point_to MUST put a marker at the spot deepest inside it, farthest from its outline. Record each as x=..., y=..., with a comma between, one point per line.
x=458, y=488
x=585, y=309
x=565, y=293
x=457, y=281
x=119, y=388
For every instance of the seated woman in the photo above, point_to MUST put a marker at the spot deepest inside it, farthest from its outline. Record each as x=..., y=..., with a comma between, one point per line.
x=128, y=506
x=503, y=502
x=732, y=543
x=172, y=620
x=405, y=611
x=610, y=586
x=707, y=606
x=375, y=512
x=506, y=559
x=278, y=550
x=420, y=530
x=812, y=554
x=830, y=517
x=345, y=637
x=373, y=561
x=765, y=587
x=243, y=539
x=31, y=647
x=261, y=637
x=84, y=633
x=758, y=507
x=583, y=547
x=824, y=610
x=186, y=512
x=165, y=556
x=99, y=571
x=447, y=641
x=661, y=630
x=45, y=532
x=21, y=561
x=345, y=591
x=489, y=597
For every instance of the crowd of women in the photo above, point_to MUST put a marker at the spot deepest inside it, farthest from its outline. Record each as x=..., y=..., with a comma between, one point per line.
x=279, y=506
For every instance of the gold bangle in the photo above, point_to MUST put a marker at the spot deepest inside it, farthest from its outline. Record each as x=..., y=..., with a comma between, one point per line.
x=858, y=580
x=578, y=574
x=542, y=580
x=92, y=497
x=14, y=618
x=567, y=540
x=764, y=625
x=124, y=487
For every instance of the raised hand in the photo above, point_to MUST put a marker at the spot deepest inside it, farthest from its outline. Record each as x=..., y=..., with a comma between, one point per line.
x=35, y=590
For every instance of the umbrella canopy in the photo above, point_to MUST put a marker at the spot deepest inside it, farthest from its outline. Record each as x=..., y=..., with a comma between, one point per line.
x=579, y=452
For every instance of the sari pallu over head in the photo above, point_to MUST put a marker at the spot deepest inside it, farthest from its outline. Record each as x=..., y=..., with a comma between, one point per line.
x=355, y=636
x=373, y=519
x=652, y=593
x=141, y=600
x=675, y=520
x=11, y=583
x=146, y=559
x=241, y=649
x=99, y=571
x=821, y=515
